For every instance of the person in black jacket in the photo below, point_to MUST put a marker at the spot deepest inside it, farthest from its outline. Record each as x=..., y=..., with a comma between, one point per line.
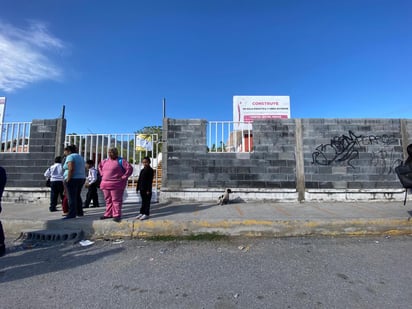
x=3, y=180
x=144, y=184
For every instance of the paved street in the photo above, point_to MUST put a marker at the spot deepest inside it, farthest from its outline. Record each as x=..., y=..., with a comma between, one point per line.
x=359, y=272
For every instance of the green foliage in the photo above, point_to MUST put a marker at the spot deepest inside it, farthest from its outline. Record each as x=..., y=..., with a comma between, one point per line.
x=221, y=148
x=151, y=130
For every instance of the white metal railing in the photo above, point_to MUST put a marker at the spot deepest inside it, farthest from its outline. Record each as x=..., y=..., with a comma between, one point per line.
x=131, y=148
x=15, y=137
x=229, y=136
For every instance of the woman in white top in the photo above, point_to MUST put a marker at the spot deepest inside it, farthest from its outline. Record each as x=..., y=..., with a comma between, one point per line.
x=55, y=173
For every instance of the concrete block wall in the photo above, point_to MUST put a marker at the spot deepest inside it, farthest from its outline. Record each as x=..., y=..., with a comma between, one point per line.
x=25, y=180
x=189, y=165
x=292, y=159
x=184, y=144
x=351, y=153
x=274, y=154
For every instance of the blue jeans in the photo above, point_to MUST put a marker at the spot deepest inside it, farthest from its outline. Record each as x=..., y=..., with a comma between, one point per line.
x=73, y=189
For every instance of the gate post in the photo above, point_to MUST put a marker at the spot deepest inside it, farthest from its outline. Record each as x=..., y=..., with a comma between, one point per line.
x=60, y=137
x=300, y=166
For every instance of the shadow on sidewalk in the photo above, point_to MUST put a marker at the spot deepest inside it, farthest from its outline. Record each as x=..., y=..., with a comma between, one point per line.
x=33, y=259
x=131, y=210
x=169, y=209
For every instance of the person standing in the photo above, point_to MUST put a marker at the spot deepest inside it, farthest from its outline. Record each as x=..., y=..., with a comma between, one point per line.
x=55, y=173
x=91, y=185
x=115, y=173
x=74, y=178
x=3, y=180
x=144, y=184
x=408, y=160
x=65, y=201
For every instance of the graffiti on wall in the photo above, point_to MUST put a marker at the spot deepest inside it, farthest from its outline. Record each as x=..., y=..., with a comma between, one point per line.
x=345, y=148
x=385, y=161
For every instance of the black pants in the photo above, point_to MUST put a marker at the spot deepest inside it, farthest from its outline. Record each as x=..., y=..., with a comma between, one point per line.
x=91, y=196
x=145, y=209
x=73, y=190
x=57, y=190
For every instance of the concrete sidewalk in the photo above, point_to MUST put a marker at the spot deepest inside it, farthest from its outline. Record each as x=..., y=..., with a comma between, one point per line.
x=235, y=219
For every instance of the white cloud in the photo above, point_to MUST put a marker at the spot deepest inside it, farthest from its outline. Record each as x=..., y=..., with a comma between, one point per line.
x=25, y=55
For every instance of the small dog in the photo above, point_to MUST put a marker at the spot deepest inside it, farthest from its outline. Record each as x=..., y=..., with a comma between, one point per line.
x=224, y=198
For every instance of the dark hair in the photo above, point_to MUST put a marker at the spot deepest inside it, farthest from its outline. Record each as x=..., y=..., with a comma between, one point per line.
x=90, y=162
x=409, y=150
x=146, y=158
x=58, y=159
x=114, y=151
x=408, y=160
x=72, y=148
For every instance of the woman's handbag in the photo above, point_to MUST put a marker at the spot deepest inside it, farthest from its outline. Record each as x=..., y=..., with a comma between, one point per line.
x=404, y=173
x=48, y=183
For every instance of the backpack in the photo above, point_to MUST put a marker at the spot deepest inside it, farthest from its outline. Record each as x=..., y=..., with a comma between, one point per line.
x=120, y=161
x=404, y=173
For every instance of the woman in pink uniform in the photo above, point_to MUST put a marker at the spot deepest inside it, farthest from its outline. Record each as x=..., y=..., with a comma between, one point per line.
x=115, y=172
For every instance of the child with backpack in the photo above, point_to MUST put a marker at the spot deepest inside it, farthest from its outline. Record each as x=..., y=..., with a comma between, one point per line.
x=92, y=183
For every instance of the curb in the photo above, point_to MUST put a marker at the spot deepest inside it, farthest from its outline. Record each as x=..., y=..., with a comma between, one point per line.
x=249, y=228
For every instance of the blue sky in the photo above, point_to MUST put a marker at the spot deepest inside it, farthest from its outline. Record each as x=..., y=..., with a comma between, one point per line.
x=112, y=62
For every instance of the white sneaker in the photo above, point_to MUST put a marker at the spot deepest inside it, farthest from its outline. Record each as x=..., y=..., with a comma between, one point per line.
x=139, y=216
x=144, y=217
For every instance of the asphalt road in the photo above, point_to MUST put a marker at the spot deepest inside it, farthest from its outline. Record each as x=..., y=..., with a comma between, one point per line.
x=233, y=273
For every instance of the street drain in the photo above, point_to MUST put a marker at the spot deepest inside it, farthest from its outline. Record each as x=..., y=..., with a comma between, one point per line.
x=51, y=235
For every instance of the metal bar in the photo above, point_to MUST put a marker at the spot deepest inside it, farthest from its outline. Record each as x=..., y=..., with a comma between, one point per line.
x=12, y=138
x=216, y=137
x=230, y=131
x=223, y=138
x=18, y=142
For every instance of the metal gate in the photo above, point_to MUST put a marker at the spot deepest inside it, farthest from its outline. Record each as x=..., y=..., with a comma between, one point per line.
x=132, y=147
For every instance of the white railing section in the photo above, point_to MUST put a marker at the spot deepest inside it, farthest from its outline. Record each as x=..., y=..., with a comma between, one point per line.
x=131, y=148
x=15, y=137
x=229, y=136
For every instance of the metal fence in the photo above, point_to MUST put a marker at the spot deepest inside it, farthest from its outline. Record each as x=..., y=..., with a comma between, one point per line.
x=15, y=137
x=131, y=147
x=229, y=136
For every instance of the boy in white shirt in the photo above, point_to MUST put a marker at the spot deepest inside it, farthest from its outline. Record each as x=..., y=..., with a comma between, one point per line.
x=91, y=185
x=55, y=174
